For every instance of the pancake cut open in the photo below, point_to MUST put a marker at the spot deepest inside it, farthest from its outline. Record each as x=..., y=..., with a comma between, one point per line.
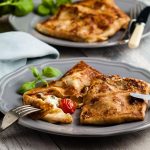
x=72, y=85
x=103, y=99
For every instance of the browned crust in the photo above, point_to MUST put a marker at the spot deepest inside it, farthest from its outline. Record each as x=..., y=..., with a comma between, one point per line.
x=61, y=89
x=65, y=89
x=48, y=112
x=38, y=103
x=83, y=66
x=108, y=101
x=87, y=21
x=112, y=108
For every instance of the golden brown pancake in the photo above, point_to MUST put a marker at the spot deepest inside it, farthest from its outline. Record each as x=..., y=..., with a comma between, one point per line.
x=72, y=85
x=108, y=101
x=85, y=21
x=104, y=99
x=48, y=112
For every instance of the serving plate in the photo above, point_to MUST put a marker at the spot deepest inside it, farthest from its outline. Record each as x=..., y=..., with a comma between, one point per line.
x=10, y=99
x=27, y=24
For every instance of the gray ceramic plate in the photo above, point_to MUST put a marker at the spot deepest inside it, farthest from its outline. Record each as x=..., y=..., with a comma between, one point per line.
x=10, y=99
x=27, y=24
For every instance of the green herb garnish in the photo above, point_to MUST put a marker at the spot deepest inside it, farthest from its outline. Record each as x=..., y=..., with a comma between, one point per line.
x=48, y=7
x=26, y=87
x=42, y=10
x=50, y=72
x=16, y=7
x=47, y=72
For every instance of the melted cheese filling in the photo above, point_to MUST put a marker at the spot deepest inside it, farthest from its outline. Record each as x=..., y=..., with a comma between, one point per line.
x=50, y=99
x=74, y=80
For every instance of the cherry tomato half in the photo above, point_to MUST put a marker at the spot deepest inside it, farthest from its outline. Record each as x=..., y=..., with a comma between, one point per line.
x=67, y=105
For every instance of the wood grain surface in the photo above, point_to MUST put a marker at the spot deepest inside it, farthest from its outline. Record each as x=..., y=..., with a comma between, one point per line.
x=20, y=138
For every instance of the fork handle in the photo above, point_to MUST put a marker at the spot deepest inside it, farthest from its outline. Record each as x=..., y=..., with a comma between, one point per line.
x=136, y=35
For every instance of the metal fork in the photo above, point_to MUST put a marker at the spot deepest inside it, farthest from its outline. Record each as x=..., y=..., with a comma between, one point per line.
x=134, y=12
x=14, y=114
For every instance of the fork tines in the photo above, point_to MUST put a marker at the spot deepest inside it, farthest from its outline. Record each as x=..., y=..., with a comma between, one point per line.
x=25, y=110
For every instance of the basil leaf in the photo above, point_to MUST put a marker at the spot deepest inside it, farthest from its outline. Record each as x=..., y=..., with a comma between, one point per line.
x=26, y=87
x=43, y=10
x=50, y=72
x=48, y=3
x=62, y=2
x=39, y=77
x=35, y=72
x=22, y=7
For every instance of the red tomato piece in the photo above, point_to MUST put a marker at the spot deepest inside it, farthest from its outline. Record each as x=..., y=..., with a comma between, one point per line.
x=67, y=105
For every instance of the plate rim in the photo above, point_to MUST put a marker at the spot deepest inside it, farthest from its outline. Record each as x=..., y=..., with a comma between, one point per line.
x=71, y=43
x=74, y=60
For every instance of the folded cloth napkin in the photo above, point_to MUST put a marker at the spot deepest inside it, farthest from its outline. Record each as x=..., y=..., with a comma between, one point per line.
x=16, y=47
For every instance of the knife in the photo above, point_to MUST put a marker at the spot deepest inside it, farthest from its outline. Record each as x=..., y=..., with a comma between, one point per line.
x=135, y=38
x=141, y=96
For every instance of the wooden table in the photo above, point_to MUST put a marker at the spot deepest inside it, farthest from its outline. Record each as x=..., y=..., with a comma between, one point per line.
x=21, y=138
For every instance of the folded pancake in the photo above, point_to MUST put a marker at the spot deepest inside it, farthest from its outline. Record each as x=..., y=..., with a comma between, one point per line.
x=85, y=21
x=108, y=101
x=48, y=112
x=72, y=85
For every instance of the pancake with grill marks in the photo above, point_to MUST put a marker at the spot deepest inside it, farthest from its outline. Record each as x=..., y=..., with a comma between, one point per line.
x=75, y=82
x=108, y=101
x=72, y=85
x=48, y=112
x=85, y=21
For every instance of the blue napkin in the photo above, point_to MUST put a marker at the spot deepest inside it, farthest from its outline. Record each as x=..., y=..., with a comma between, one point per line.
x=17, y=47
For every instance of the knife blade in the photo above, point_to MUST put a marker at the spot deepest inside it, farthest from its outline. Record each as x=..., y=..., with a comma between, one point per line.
x=141, y=20
x=143, y=17
x=141, y=96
